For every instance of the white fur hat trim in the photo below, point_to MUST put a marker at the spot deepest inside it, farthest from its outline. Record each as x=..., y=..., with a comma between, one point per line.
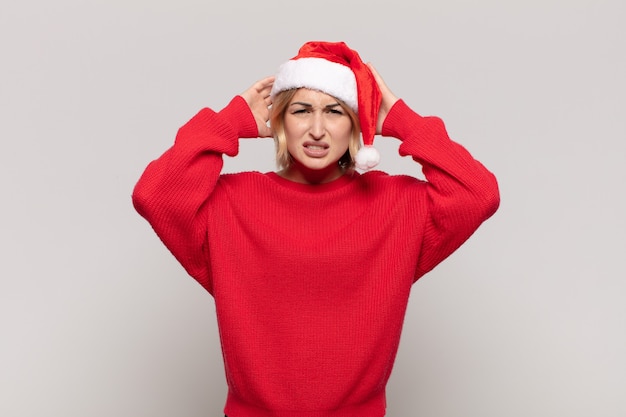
x=319, y=74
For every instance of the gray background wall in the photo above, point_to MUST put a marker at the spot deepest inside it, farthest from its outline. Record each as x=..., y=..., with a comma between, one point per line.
x=97, y=319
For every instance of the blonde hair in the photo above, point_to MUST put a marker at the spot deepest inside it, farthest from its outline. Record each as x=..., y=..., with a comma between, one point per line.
x=280, y=103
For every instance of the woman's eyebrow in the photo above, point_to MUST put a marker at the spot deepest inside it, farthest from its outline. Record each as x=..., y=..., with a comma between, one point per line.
x=301, y=103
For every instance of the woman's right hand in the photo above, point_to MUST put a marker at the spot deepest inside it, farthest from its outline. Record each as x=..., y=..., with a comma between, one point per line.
x=259, y=101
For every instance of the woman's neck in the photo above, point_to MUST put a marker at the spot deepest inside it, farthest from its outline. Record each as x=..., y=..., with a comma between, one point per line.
x=304, y=175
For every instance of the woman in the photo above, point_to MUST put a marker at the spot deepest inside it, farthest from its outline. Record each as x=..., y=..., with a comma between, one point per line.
x=311, y=267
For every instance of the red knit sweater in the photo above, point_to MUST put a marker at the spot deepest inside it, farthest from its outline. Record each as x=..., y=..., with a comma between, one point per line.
x=311, y=282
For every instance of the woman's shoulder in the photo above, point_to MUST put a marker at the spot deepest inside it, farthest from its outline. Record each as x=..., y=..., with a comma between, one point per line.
x=391, y=192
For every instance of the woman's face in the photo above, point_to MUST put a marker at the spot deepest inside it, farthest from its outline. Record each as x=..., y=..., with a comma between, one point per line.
x=318, y=132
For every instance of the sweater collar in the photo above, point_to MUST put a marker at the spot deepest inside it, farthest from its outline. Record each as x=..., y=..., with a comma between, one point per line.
x=340, y=182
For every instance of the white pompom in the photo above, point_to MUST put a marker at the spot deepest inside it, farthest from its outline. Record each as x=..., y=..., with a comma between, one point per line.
x=366, y=158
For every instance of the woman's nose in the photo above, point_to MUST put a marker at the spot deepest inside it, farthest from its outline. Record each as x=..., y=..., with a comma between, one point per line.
x=318, y=129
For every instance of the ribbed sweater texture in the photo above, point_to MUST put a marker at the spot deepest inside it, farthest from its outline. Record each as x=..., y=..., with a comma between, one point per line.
x=311, y=282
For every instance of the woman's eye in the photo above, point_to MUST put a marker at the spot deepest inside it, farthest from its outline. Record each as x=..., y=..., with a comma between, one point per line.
x=299, y=111
x=335, y=111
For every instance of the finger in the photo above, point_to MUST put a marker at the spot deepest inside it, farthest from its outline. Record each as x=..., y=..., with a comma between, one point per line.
x=265, y=132
x=265, y=83
x=265, y=92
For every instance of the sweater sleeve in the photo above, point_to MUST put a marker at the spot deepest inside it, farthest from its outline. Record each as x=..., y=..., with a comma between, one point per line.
x=173, y=189
x=461, y=192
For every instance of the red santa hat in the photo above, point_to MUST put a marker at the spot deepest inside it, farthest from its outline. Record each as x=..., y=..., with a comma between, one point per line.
x=335, y=69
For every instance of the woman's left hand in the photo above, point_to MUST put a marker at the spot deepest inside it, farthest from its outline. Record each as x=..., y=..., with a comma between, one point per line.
x=388, y=99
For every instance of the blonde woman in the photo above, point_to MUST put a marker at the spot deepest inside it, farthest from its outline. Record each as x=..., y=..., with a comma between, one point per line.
x=311, y=266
